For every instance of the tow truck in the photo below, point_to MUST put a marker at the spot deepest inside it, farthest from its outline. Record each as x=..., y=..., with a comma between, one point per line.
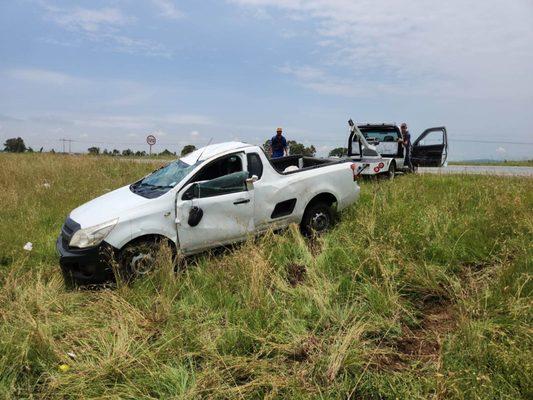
x=377, y=152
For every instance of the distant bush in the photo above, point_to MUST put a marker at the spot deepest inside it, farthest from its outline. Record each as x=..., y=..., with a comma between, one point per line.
x=15, y=145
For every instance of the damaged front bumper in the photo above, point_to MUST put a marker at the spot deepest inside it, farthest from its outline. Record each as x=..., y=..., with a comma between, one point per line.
x=85, y=266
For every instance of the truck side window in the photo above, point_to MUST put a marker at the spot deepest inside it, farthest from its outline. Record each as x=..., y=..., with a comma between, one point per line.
x=255, y=166
x=223, y=166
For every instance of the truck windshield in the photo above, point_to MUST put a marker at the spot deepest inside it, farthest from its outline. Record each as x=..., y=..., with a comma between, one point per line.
x=163, y=179
x=380, y=135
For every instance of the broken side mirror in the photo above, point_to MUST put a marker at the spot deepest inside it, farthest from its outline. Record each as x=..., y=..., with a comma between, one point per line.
x=195, y=216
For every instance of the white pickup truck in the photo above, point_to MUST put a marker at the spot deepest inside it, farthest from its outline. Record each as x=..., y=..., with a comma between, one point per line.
x=217, y=195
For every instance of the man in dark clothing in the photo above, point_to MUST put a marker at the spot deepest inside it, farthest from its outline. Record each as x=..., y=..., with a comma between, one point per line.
x=278, y=145
x=406, y=143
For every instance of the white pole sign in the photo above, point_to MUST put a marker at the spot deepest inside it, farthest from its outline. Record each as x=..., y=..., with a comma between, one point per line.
x=151, y=140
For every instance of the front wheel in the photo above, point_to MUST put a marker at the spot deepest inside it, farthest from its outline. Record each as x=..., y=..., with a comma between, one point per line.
x=139, y=258
x=317, y=219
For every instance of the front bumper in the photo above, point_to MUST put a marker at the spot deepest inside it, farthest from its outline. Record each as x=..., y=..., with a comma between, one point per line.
x=85, y=266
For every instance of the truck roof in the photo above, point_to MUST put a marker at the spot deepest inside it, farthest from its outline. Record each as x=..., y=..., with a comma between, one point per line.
x=203, y=153
x=387, y=125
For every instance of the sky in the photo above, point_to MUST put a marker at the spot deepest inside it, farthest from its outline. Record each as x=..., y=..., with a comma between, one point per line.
x=108, y=73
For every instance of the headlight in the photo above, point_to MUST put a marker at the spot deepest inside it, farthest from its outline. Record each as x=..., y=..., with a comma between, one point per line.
x=93, y=235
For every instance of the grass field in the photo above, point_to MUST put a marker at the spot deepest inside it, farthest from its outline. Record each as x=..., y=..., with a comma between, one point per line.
x=423, y=290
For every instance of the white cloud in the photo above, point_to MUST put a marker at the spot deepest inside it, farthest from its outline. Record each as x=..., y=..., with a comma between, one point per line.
x=501, y=151
x=136, y=122
x=126, y=44
x=89, y=20
x=462, y=48
x=167, y=9
x=159, y=133
x=104, y=26
x=43, y=76
x=194, y=134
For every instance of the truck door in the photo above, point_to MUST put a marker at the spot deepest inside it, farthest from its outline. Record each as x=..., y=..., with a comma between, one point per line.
x=431, y=148
x=214, y=212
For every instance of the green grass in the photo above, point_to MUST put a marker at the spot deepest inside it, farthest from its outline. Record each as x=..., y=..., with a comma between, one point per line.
x=423, y=290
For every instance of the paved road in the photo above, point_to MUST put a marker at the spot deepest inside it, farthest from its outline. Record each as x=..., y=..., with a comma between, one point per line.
x=480, y=170
x=451, y=169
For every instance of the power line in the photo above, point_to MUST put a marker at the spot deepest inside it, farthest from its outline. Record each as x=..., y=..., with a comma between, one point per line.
x=305, y=140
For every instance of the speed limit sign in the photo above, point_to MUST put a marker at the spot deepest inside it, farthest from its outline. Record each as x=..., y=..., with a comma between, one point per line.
x=151, y=140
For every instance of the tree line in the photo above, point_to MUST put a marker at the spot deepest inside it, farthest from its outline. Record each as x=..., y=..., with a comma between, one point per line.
x=17, y=145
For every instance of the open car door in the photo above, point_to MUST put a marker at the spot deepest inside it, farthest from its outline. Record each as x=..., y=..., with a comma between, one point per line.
x=431, y=148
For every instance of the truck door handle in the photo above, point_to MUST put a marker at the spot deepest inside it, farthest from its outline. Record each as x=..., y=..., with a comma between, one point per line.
x=241, y=201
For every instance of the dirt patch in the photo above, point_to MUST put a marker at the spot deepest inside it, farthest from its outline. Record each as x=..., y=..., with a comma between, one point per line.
x=421, y=344
x=475, y=266
x=315, y=245
x=476, y=276
x=296, y=274
x=308, y=346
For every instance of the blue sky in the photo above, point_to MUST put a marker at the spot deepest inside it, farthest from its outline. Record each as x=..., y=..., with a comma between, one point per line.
x=110, y=72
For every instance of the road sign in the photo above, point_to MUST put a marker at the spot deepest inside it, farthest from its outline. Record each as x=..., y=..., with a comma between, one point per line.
x=151, y=140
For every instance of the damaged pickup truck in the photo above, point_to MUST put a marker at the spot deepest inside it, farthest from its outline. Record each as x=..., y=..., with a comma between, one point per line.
x=217, y=195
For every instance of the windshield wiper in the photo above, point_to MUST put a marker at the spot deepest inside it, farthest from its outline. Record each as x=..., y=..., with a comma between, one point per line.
x=155, y=186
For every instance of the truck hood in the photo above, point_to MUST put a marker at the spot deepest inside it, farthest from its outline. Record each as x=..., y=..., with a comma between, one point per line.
x=107, y=207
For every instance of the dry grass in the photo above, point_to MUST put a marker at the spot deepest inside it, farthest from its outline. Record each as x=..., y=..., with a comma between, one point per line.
x=422, y=291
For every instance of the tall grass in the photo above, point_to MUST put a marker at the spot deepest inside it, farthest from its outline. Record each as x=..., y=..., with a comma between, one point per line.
x=423, y=290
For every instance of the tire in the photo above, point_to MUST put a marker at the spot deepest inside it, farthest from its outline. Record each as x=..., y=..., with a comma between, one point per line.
x=317, y=219
x=138, y=258
x=389, y=175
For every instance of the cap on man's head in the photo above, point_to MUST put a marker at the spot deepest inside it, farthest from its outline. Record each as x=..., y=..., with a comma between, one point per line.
x=279, y=130
x=403, y=125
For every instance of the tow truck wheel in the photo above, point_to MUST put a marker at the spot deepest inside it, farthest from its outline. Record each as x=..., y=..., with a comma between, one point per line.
x=317, y=219
x=391, y=172
x=389, y=175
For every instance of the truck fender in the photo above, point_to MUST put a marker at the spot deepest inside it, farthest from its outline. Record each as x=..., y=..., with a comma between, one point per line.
x=324, y=197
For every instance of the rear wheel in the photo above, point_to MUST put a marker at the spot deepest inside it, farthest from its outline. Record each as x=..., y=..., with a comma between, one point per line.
x=317, y=219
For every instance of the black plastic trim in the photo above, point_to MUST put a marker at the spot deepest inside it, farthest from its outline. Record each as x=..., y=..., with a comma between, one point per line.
x=283, y=208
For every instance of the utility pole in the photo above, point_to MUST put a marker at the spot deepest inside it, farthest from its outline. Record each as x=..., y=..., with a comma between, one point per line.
x=69, y=144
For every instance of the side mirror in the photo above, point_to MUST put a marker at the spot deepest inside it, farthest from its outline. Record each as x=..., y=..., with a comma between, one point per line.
x=195, y=216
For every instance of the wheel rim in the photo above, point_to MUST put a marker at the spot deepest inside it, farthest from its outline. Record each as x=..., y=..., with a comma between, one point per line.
x=320, y=221
x=142, y=263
